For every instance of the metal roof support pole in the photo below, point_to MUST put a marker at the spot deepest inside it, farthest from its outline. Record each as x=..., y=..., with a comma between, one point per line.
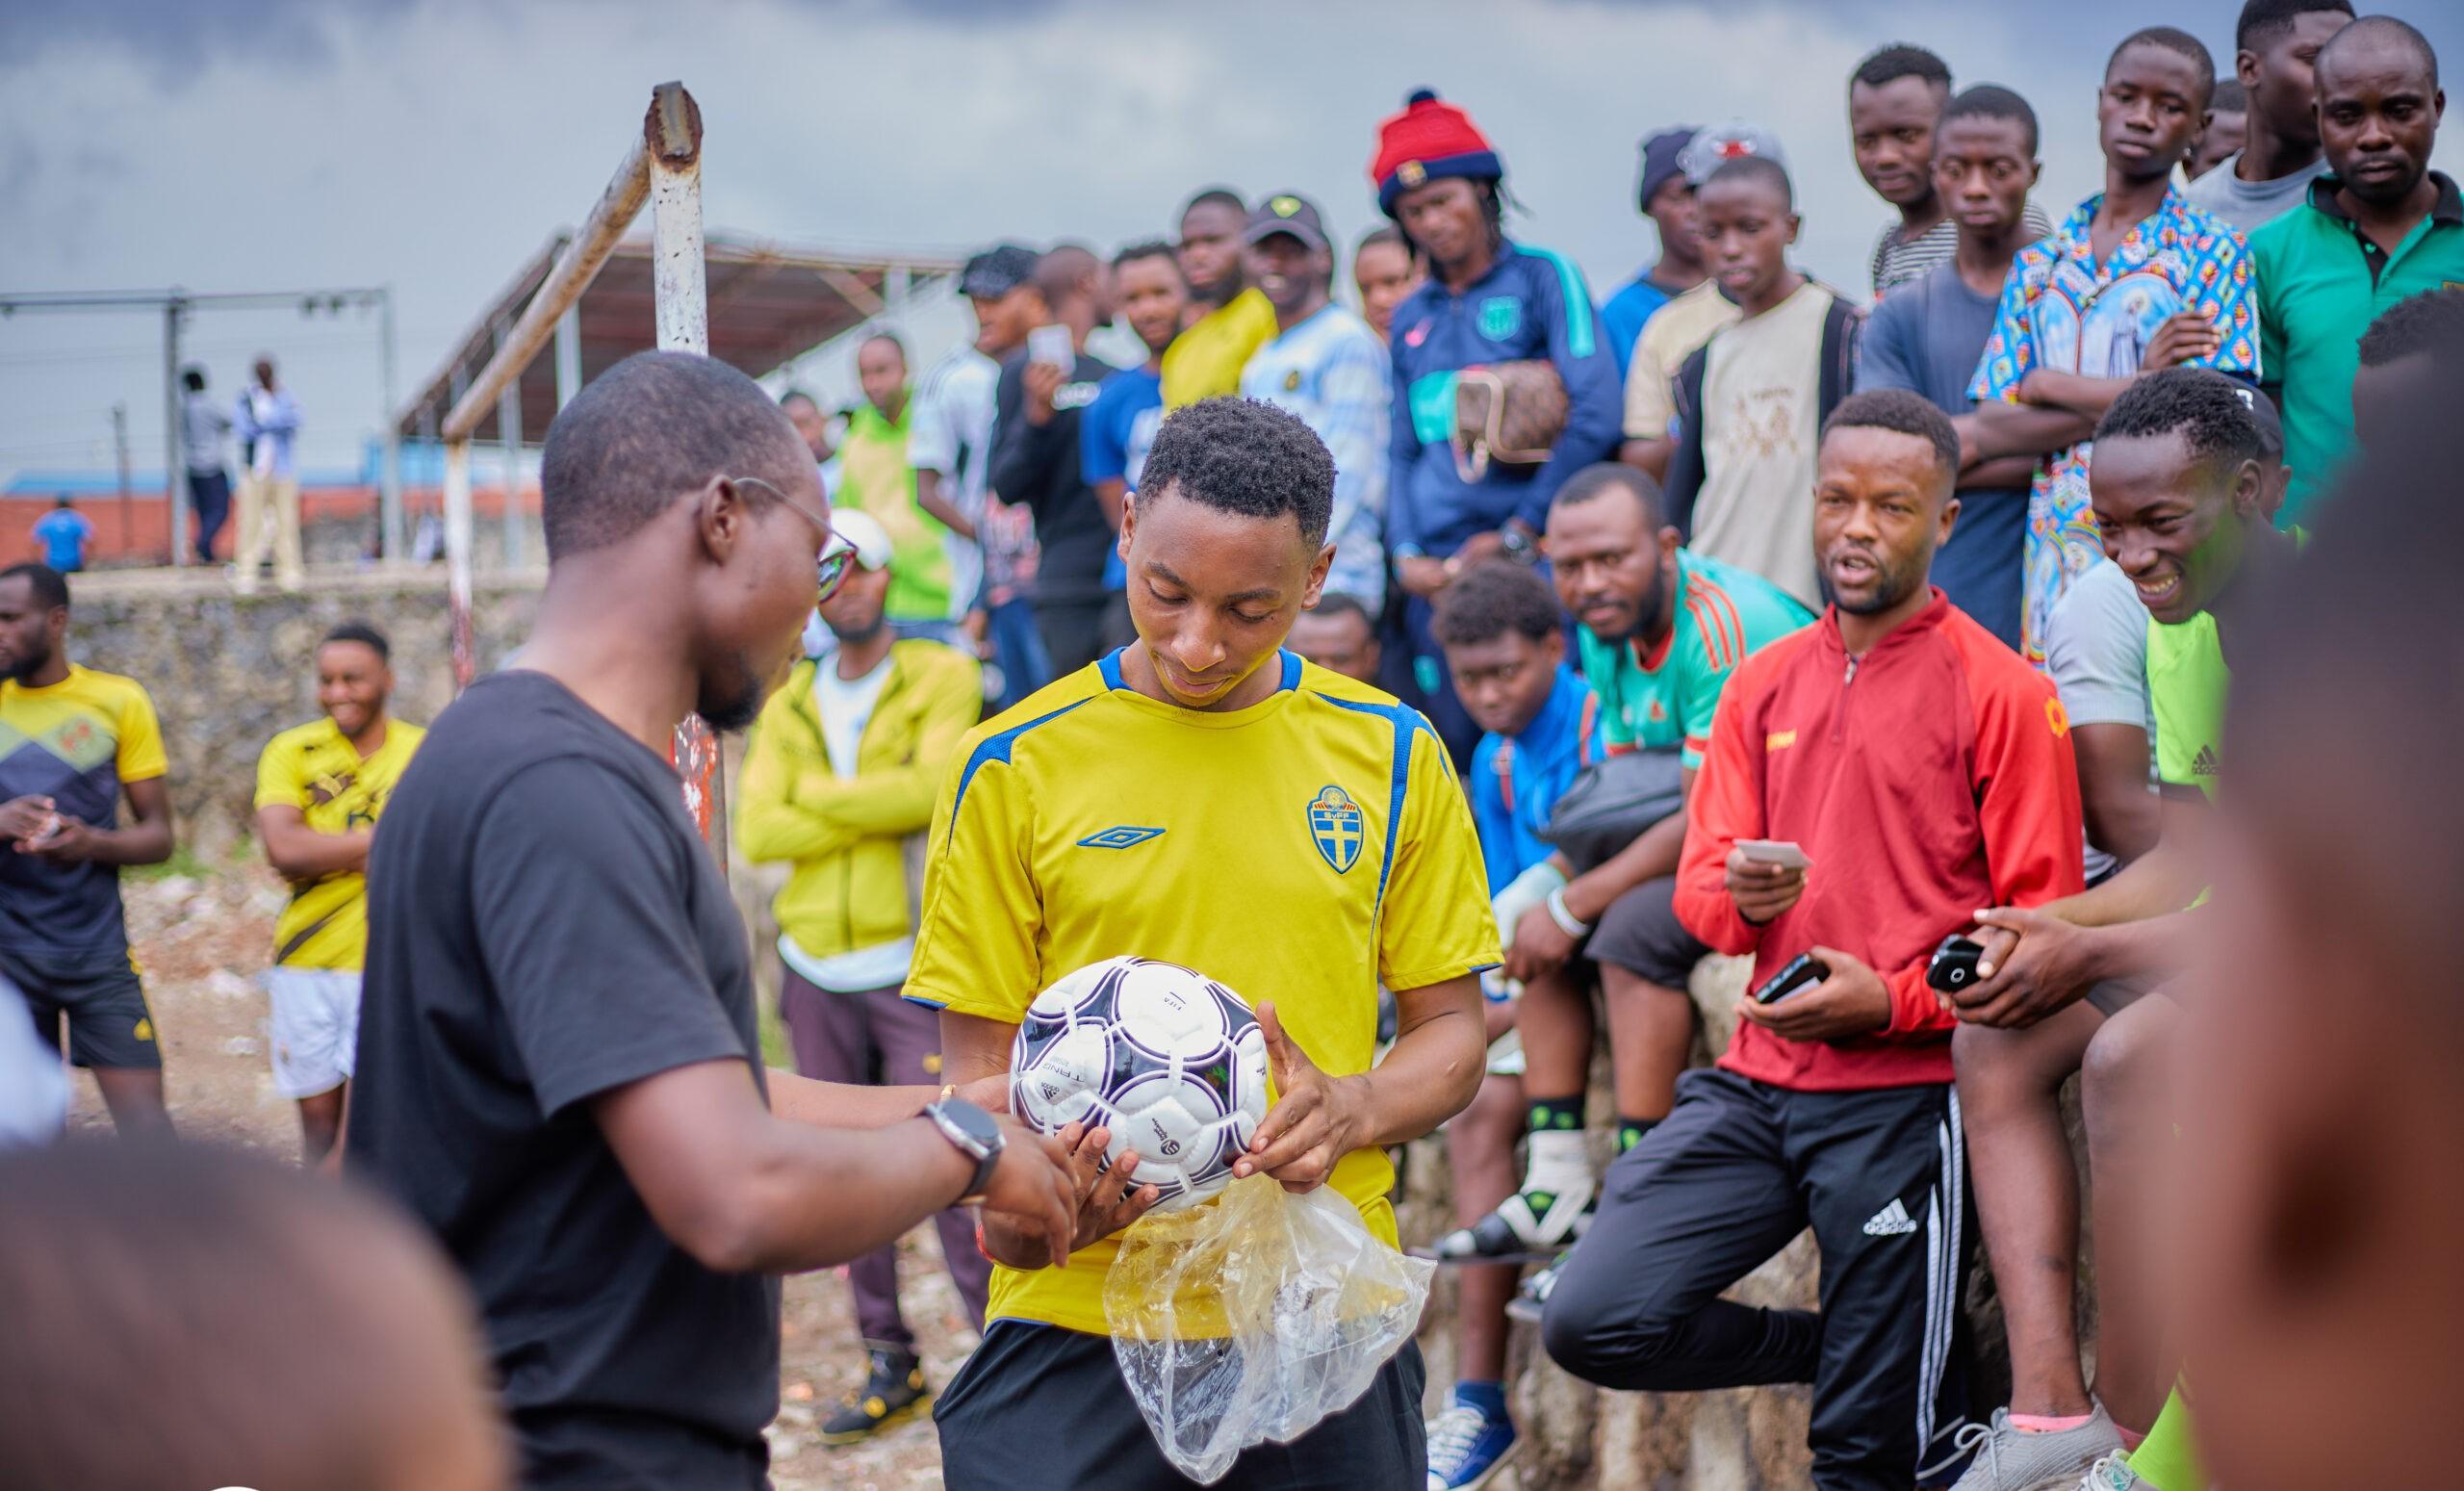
x=671, y=140
x=509, y=440
x=567, y=357
x=457, y=557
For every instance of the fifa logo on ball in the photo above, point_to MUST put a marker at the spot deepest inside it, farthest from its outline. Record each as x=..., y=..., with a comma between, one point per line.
x=1152, y=1049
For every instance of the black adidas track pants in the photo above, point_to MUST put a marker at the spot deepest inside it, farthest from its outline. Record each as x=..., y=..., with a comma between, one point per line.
x=1738, y=1169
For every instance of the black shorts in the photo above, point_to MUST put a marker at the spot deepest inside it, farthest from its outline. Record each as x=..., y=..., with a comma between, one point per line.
x=109, y=1025
x=1037, y=1405
x=2112, y=996
x=1640, y=934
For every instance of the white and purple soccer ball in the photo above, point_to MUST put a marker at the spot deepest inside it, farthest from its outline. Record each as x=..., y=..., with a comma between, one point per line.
x=1168, y=1060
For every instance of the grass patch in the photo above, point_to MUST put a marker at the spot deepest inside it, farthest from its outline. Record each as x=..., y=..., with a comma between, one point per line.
x=184, y=861
x=775, y=1051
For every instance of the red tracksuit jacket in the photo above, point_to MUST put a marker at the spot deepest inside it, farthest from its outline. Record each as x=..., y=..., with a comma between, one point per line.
x=1925, y=780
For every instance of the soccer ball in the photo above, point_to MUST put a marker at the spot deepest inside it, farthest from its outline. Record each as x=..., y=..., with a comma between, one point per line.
x=1168, y=1060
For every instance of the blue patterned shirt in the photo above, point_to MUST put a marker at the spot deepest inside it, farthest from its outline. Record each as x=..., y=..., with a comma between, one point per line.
x=2064, y=309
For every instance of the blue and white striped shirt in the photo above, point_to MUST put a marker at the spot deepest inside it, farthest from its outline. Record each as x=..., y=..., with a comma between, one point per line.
x=1333, y=373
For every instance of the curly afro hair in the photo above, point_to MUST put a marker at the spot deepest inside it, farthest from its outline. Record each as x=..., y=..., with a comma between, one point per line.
x=1902, y=412
x=2430, y=321
x=2205, y=405
x=1239, y=455
x=1487, y=601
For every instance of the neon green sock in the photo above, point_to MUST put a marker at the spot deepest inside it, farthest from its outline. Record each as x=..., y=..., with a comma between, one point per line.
x=2167, y=1459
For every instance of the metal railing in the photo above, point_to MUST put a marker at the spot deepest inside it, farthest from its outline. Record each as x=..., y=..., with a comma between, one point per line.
x=663, y=166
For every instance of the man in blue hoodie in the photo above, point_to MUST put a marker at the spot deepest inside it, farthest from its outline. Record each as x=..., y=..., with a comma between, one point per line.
x=1487, y=300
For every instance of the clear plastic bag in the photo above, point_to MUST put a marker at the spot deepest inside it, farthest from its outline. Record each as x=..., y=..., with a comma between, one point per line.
x=1253, y=1317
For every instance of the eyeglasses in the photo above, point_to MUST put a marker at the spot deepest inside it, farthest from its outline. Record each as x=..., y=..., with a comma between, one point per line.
x=837, y=555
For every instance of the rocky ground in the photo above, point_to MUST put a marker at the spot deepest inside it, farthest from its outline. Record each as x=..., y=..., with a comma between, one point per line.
x=202, y=934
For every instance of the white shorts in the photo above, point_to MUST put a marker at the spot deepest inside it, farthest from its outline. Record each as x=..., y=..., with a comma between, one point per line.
x=315, y=1028
x=1506, y=1055
x=34, y=1086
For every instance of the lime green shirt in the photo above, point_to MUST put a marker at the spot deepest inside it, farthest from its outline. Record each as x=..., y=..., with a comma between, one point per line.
x=2187, y=684
x=2320, y=285
x=874, y=477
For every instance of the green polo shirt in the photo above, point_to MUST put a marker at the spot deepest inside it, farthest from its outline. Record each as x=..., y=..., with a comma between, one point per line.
x=2320, y=285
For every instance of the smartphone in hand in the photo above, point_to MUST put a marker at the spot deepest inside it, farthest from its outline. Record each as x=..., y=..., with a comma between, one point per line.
x=1774, y=851
x=1953, y=965
x=1051, y=345
x=1802, y=973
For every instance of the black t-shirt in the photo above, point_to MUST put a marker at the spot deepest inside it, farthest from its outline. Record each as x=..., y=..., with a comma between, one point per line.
x=544, y=924
x=1038, y=468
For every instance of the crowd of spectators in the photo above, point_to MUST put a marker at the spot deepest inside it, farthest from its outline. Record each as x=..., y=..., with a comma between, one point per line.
x=1926, y=576
x=1884, y=636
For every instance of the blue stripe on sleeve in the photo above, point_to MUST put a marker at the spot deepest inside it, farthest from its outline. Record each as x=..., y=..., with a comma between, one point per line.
x=996, y=748
x=1578, y=299
x=1406, y=720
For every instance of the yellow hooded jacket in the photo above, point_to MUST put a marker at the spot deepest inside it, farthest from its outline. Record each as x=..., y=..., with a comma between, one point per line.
x=847, y=835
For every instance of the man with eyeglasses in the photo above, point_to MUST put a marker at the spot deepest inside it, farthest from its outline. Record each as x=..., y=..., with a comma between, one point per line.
x=838, y=783
x=559, y=1072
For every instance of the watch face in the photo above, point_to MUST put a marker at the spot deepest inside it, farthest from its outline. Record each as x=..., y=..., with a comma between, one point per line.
x=972, y=1122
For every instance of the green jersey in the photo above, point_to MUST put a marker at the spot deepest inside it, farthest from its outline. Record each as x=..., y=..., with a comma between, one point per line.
x=2322, y=282
x=1653, y=699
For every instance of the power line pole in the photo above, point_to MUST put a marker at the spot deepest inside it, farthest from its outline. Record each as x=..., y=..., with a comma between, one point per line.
x=127, y=508
x=174, y=303
x=175, y=487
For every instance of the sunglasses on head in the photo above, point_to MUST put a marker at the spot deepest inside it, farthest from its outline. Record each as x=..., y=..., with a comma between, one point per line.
x=837, y=555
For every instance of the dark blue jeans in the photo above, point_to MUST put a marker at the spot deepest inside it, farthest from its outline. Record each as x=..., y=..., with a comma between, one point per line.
x=210, y=491
x=1017, y=651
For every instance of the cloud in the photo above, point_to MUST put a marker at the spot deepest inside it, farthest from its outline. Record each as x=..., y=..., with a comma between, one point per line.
x=172, y=37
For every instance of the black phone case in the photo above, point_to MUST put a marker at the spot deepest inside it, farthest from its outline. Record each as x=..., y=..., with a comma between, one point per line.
x=1802, y=973
x=1953, y=965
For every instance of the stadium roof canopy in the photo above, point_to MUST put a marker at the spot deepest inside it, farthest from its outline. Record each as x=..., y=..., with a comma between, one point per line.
x=768, y=304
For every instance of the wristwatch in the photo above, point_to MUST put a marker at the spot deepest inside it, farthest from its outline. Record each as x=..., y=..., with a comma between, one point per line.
x=1517, y=545
x=972, y=1131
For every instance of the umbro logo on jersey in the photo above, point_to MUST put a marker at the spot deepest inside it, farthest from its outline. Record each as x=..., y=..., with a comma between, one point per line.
x=1122, y=837
x=2204, y=764
x=1891, y=1221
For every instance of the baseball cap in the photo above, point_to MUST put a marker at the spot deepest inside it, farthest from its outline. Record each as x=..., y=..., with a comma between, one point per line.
x=997, y=270
x=2263, y=413
x=1663, y=155
x=1714, y=147
x=863, y=533
x=1285, y=212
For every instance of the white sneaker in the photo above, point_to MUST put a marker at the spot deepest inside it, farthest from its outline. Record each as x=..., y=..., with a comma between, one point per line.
x=2011, y=1459
x=1528, y=1221
x=2112, y=1473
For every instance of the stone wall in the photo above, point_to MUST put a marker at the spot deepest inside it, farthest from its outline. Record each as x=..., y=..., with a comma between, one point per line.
x=227, y=672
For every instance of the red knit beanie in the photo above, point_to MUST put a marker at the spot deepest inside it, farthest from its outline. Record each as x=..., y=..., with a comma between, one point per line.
x=1429, y=140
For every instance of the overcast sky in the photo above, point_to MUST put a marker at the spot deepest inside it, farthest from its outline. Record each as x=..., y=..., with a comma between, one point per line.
x=434, y=144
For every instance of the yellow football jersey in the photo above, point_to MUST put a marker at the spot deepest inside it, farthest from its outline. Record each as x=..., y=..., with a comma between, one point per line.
x=1206, y=359
x=1299, y=850
x=315, y=769
x=76, y=742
